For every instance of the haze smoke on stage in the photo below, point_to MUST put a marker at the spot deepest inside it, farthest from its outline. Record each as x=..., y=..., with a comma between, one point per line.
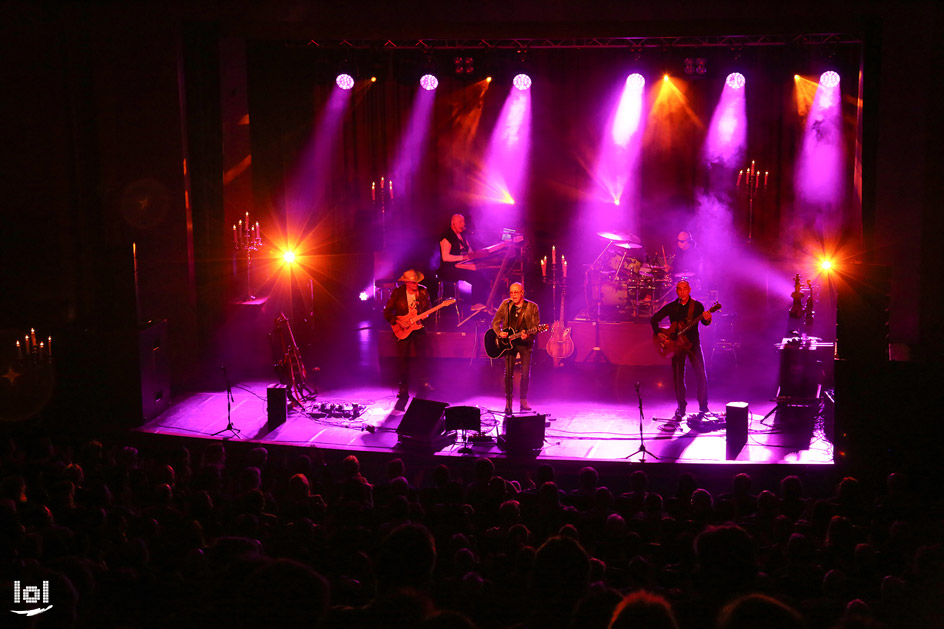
x=819, y=182
x=727, y=132
x=507, y=156
x=412, y=148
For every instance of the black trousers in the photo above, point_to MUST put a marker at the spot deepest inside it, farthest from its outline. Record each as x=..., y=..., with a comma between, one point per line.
x=524, y=350
x=480, y=284
x=697, y=360
x=413, y=344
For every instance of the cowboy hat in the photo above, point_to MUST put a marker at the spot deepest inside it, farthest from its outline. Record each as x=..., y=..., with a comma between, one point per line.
x=411, y=275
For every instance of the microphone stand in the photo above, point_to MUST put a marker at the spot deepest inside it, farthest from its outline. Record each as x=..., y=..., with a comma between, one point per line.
x=642, y=443
x=229, y=408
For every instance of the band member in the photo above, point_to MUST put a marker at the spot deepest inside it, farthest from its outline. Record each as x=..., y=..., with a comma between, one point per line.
x=455, y=247
x=407, y=300
x=687, y=261
x=520, y=314
x=681, y=311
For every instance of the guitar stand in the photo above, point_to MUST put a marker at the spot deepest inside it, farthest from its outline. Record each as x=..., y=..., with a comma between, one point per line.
x=596, y=354
x=642, y=442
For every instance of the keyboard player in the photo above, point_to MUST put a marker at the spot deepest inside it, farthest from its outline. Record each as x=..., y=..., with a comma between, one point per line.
x=454, y=248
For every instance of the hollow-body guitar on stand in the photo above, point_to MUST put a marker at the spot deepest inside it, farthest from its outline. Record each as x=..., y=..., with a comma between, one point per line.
x=408, y=323
x=671, y=340
x=561, y=344
x=496, y=346
x=289, y=365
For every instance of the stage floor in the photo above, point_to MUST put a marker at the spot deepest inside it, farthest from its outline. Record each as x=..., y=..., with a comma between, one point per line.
x=577, y=427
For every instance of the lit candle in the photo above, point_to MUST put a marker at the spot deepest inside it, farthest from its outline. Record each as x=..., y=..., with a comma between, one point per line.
x=766, y=174
x=757, y=181
x=26, y=344
x=752, y=166
x=49, y=346
x=33, y=336
x=391, y=188
x=235, y=236
x=42, y=350
x=373, y=190
x=740, y=174
x=258, y=232
x=543, y=273
x=19, y=350
x=564, y=262
x=554, y=254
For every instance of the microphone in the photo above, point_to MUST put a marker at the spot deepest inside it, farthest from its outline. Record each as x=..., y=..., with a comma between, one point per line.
x=637, y=387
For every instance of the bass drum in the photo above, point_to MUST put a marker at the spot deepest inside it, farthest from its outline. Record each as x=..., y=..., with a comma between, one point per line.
x=614, y=294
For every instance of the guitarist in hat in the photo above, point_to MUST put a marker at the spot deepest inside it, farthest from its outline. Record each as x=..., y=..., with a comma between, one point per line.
x=517, y=313
x=406, y=301
x=680, y=312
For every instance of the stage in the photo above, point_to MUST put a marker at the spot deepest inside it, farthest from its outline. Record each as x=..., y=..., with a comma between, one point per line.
x=576, y=429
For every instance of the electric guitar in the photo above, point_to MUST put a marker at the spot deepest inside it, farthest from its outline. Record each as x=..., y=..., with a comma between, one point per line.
x=407, y=324
x=496, y=346
x=672, y=339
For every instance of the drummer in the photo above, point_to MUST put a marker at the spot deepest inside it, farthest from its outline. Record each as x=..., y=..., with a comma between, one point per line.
x=687, y=261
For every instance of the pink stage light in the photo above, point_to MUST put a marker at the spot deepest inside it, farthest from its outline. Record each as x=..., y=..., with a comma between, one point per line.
x=345, y=81
x=636, y=80
x=429, y=82
x=829, y=79
x=522, y=82
x=735, y=80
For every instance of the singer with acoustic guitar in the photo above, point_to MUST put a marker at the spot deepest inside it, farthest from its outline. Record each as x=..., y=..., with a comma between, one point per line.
x=517, y=315
x=406, y=302
x=687, y=346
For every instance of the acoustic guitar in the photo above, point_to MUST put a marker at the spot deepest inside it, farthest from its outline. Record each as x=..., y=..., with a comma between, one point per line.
x=496, y=346
x=407, y=324
x=672, y=339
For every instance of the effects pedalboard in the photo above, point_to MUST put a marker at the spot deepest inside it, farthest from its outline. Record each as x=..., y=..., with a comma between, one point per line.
x=324, y=410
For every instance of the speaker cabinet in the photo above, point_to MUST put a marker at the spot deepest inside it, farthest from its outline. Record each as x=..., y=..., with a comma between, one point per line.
x=154, y=369
x=735, y=423
x=523, y=434
x=423, y=424
x=276, y=405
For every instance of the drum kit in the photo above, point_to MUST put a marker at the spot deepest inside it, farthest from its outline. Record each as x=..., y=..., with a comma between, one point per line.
x=624, y=284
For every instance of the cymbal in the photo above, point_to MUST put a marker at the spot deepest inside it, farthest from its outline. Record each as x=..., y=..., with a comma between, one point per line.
x=628, y=245
x=620, y=237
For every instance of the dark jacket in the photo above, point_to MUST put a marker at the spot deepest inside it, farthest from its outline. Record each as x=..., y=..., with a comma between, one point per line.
x=530, y=318
x=397, y=304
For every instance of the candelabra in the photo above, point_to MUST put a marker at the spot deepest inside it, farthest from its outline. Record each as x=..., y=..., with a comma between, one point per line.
x=247, y=239
x=753, y=185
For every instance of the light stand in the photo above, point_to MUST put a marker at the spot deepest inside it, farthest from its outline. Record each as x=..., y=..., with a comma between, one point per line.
x=642, y=443
x=229, y=409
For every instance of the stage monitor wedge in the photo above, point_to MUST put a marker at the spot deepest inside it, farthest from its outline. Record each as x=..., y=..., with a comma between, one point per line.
x=423, y=425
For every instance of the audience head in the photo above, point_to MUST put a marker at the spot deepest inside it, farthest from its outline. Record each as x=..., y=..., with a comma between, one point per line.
x=643, y=609
x=759, y=610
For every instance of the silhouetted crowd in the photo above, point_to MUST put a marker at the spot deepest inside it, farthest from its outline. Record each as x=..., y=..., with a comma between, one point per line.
x=210, y=535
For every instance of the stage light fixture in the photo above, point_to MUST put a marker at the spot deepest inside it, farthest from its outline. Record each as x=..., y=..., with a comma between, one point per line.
x=429, y=82
x=345, y=81
x=522, y=81
x=829, y=79
x=689, y=65
x=464, y=65
x=288, y=256
x=701, y=66
x=735, y=80
x=363, y=296
x=636, y=80
x=825, y=265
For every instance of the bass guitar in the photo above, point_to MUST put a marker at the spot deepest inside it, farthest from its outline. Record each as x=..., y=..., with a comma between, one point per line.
x=672, y=339
x=496, y=346
x=561, y=344
x=407, y=324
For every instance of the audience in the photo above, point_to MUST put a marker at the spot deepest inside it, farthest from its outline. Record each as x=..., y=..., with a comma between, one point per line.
x=128, y=535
